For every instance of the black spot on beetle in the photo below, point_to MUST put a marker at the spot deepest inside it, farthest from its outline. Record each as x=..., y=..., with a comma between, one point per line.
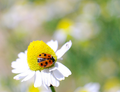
x=46, y=63
x=44, y=54
x=41, y=64
x=53, y=59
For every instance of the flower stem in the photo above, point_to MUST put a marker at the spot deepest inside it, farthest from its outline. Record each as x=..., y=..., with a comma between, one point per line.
x=52, y=88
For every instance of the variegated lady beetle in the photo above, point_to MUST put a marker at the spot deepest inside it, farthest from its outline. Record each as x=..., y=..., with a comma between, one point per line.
x=45, y=60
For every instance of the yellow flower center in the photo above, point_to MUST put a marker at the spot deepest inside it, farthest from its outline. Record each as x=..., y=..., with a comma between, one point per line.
x=33, y=89
x=34, y=49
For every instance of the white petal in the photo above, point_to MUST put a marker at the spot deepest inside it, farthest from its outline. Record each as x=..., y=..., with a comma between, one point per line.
x=63, y=49
x=22, y=54
x=63, y=69
x=93, y=87
x=22, y=75
x=54, y=81
x=20, y=63
x=19, y=70
x=25, y=51
x=58, y=75
x=53, y=45
x=48, y=78
x=38, y=79
x=47, y=87
x=14, y=64
x=52, y=69
x=30, y=75
x=17, y=63
x=88, y=85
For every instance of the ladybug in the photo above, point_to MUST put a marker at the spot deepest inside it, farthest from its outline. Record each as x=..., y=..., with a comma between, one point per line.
x=45, y=60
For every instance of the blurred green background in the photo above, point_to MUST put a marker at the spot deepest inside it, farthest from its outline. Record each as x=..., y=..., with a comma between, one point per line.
x=93, y=26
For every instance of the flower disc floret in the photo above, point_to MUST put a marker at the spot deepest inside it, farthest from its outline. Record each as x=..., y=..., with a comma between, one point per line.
x=34, y=49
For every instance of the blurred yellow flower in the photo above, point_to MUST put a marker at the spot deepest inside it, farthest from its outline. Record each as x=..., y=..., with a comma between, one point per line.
x=112, y=85
x=64, y=29
x=33, y=89
x=65, y=25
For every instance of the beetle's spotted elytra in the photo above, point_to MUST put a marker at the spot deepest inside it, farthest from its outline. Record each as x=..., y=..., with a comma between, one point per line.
x=45, y=60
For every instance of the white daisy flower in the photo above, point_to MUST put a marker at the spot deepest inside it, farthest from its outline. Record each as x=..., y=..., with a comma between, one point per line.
x=39, y=60
x=90, y=87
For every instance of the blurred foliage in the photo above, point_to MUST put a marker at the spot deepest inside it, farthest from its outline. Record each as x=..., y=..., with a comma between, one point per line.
x=94, y=55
